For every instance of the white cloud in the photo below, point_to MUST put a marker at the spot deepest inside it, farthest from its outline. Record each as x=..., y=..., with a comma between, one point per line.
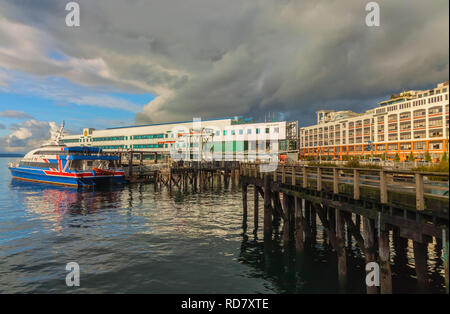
x=27, y=135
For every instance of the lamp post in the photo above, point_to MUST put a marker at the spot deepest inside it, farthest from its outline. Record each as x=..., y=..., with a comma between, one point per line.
x=320, y=153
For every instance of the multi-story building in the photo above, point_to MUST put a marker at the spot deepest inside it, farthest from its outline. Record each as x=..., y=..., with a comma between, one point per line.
x=412, y=121
x=218, y=139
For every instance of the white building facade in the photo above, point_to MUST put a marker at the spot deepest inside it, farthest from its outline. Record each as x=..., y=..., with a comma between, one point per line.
x=216, y=139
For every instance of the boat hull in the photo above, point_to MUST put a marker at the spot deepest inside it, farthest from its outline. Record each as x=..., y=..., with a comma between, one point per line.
x=66, y=179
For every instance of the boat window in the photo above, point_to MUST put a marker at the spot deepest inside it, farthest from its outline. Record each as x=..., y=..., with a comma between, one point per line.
x=38, y=164
x=76, y=165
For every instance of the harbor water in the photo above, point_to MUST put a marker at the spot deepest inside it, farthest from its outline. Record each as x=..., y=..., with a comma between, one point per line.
x=132, y=239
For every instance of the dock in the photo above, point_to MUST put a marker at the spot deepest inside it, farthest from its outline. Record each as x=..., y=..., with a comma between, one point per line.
x=375, y=207
x=366, y=203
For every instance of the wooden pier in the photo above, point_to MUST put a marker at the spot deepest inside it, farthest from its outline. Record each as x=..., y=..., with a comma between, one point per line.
x=373, y=206
x=342, y=198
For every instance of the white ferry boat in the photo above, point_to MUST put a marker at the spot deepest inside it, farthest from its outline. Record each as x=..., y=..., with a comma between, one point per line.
x=55, y=163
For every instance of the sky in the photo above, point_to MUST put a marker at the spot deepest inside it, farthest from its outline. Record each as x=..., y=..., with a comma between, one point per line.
x=151, y=61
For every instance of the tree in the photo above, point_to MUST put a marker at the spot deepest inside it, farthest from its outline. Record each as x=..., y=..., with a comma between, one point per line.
x=383, y=157
x=427, y=157
x=397, y=158
x=411, y=157
x=444, y=157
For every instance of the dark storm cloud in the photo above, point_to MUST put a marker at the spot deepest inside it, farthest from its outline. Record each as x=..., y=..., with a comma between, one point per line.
x=221, y=58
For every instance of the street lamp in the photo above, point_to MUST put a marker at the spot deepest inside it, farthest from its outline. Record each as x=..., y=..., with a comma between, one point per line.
x=320, y=153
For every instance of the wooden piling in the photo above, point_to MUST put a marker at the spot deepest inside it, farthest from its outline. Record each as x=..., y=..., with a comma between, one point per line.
x=299, y=242
x=358, y=222
x=256, y=209
x=130, y=165
x=308, y=208
x=340, y=247
x=286, y=222
x=332, y=218
x=385, y=260
x=244, y=201
x=369, y=245
x=267, y=208
x=312, y=224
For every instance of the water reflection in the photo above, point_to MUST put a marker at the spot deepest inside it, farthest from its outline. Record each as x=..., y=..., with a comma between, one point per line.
x=53, y=202
x=314, y=269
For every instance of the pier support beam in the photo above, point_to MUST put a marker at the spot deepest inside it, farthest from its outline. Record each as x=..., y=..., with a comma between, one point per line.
x=369, y=245
x=287, y=216
x=244, y=200
x=256, y=209
x=313, y=224
x=299, y=243
x=385, y=261
x=340, y=247
x=141, y=163
x=130, y=165
x=308, y=209
x=267, y=208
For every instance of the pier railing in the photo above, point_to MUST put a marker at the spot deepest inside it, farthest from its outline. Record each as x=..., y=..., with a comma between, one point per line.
x=386, y=185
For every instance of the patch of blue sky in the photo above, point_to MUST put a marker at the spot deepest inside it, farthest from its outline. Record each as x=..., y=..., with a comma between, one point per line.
x=55, y=99
x=55, y=55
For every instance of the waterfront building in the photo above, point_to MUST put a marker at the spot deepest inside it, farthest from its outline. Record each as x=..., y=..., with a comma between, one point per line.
x=219, y=139
x=411, y=122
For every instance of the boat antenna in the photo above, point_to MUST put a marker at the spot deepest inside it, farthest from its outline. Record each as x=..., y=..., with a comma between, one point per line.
x=61, y=130
x=59, y=134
